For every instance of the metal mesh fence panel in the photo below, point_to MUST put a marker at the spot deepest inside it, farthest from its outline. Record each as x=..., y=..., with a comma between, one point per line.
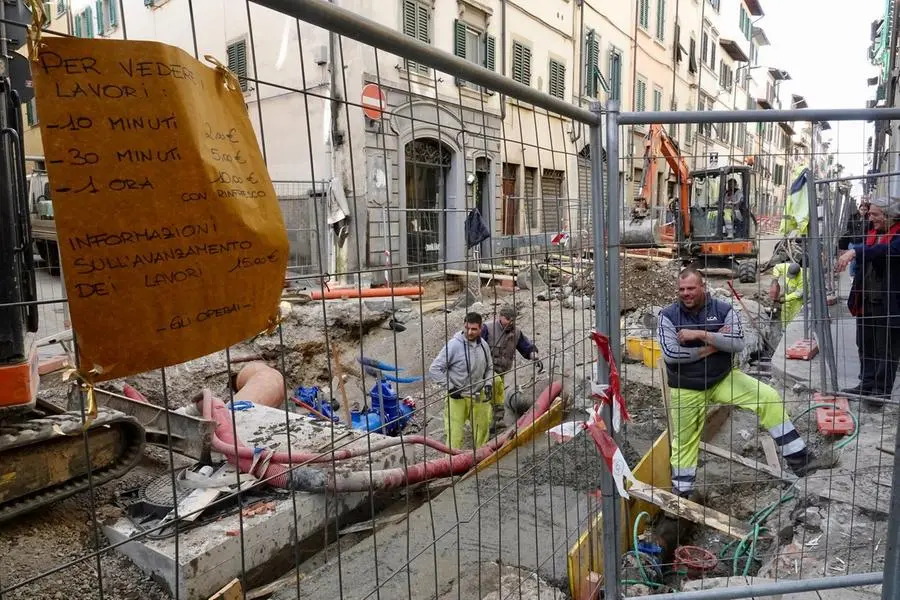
x=478, y=272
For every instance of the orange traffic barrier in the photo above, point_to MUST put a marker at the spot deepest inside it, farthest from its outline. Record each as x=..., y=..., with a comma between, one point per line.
x=339, y=293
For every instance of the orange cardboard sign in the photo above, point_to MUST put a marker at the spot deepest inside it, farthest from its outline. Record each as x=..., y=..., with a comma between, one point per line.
x=172, y=241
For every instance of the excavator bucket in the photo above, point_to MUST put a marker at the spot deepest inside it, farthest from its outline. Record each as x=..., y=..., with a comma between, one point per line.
x=640, y=233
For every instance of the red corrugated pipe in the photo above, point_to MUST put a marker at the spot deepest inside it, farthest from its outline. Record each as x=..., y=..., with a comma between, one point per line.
x=309, y=479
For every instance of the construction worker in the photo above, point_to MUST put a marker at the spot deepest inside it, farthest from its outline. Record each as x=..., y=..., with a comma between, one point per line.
x=504, y=339
x=699, y=336
x=465, y=366
x=787, y=290
x=733, y=199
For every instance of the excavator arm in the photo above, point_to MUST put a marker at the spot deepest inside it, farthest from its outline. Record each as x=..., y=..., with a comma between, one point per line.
x=640, y=231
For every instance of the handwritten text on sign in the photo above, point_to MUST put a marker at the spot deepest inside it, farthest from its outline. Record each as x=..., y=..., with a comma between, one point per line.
x=173, y=244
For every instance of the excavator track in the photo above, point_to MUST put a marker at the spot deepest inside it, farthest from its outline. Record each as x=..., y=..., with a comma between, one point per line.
x=43, y=460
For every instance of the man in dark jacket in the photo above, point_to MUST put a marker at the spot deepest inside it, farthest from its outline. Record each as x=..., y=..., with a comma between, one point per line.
x=875, y=300
x=855, y=234
x=504, y=339
x=699, y=336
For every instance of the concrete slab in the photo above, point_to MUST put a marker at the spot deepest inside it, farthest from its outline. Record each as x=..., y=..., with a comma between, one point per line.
x=452, y=546
x=202, y=560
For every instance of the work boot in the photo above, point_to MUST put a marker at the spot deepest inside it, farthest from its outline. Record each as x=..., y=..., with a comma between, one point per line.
x=857, y=390
x=806, y=463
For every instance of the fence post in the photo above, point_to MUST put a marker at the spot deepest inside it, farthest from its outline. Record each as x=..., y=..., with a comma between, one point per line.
x=816, y=289
x=603, y=306
x=614, y=229
x=891, y=586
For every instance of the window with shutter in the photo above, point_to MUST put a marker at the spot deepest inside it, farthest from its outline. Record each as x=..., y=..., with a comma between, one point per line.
x=417, y=24
x=88, y=18
x=112, y=13
x=657, y=99
x=692, y=57
x=475, y=46
x=640, y=95
x=237, y=61
x=557, y=80
x=591, y=57
x=30, y=113
x=521, y=65
x=615, y=74
x=676, y=44
x=644, y=13
x=60, y=7
x=661, y=20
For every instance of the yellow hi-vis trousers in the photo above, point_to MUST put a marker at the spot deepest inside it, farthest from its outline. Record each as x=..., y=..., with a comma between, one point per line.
x=687, y=415
x=499, y=391
x=479, y=411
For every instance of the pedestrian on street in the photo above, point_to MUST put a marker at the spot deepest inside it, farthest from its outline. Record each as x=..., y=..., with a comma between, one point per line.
x=787, y=290
x=855, y=235
x=699, y=336
x=504, y=339
x=875, y=300
x=464, y=365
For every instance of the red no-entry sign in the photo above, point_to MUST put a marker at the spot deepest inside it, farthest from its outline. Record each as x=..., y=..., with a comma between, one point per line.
x=373, y=101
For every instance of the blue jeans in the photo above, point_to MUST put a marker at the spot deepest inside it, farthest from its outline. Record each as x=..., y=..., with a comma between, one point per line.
x=853, y=263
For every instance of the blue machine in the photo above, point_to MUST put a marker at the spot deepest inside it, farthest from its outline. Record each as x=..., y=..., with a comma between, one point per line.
x=385, y=414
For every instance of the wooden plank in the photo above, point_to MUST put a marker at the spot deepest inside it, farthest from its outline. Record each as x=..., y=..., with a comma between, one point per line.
x=231, y=591
x=497, y=276
x=752, y=464
x=771, y=452
x=372, y=524
x=679, y=507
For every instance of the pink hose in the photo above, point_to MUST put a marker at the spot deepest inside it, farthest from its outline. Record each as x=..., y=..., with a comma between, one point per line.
x=279, y=475
x=223, y=440
x=363, y=481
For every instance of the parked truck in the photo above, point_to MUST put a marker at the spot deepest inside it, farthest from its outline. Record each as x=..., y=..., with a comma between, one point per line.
x=40, y=209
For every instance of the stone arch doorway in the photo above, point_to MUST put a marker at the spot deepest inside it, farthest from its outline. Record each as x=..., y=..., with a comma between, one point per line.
x=428, y=162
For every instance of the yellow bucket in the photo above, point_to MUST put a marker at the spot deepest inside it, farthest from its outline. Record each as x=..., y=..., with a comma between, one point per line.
x=633, y=347
x=651, y=351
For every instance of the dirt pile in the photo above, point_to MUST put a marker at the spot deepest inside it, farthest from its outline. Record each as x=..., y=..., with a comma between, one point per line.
x=646, y=282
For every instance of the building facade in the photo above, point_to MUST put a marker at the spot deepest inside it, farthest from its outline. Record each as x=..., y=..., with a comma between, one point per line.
x=397, y=189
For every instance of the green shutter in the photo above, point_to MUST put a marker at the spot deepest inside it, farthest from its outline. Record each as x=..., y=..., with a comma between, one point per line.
x=521, y=67
x=29, y=113
x=661, y=20
x=113, y=12
x=556, y=85
x=88, y=17
x=459, y=38
x=591, y=54
x=60, y=7
x=490, y=57
x=100, y=28
x=237, y=61
x=423, y=18
x=409, y=18
x=490, y=52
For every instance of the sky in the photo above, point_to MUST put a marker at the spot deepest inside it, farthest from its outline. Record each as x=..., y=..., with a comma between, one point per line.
x=823, y=44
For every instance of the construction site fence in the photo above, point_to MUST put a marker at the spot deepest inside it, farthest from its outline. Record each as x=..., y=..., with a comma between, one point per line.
x=554, y=182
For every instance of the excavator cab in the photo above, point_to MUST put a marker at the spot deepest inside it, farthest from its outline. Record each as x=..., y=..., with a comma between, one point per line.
x=721, y=226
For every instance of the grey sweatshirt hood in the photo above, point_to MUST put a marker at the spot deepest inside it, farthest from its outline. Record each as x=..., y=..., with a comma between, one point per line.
x=463, y=366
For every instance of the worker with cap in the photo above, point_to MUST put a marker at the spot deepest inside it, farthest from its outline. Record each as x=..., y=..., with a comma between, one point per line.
x=787, y=290
x=504, y=339
x=699, y=336
x=464, y=365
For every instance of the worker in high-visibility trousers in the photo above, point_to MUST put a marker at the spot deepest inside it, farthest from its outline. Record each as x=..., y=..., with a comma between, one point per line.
x=699, y=336
x=504, y=339
x=787, y=290
x=464, y=365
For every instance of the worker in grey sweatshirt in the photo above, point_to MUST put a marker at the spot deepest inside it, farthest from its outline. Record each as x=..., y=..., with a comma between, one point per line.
x=464, y=365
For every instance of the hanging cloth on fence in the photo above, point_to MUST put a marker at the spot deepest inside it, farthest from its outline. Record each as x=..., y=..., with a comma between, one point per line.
x=476, y=229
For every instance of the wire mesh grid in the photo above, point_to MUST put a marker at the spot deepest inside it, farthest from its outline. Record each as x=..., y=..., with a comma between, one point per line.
x=389, y=201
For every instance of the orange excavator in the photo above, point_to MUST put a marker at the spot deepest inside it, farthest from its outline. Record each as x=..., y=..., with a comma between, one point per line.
x=709, y=223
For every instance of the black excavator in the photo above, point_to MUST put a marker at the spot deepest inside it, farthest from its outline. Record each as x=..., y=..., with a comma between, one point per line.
x=46, y=453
